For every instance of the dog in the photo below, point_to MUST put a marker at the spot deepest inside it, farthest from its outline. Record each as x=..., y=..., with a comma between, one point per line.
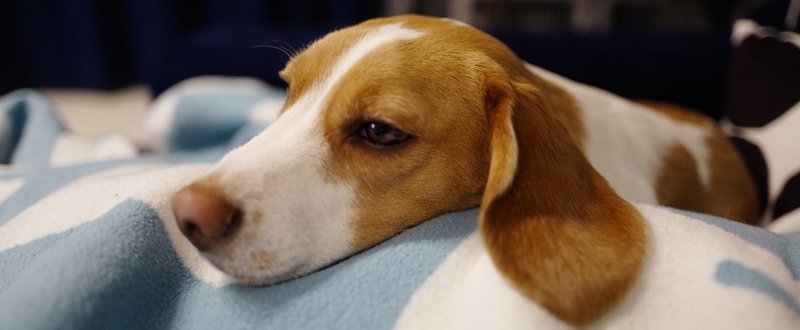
x=396, y=120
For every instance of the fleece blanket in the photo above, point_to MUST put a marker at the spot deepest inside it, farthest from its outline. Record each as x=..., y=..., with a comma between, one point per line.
x=87, y=240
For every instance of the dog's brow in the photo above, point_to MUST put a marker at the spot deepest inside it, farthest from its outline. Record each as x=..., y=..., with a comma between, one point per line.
x=381, y=36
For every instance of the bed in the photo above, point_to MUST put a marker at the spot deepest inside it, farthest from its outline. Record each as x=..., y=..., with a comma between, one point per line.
x=87, y=239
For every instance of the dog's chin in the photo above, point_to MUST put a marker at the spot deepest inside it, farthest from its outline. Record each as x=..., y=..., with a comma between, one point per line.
x=263, y=280
x=255, y=274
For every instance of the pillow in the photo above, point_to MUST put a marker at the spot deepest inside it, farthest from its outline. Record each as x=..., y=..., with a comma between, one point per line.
x=763, y=115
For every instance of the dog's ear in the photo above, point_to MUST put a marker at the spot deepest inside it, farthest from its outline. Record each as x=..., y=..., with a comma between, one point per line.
x=552, y=225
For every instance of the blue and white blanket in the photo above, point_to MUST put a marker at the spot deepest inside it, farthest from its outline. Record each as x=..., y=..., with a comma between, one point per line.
x=87, y=240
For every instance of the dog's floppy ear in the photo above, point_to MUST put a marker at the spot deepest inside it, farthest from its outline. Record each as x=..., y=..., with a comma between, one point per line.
x=552, y=225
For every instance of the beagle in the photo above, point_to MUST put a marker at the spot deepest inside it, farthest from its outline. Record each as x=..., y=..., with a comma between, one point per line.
x=396, y=120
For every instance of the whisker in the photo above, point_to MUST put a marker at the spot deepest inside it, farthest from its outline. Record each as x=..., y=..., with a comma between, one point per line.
x=281, y=46
x=287, y=46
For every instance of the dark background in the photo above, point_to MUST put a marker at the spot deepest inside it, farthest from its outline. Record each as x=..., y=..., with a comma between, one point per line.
x=675, y=51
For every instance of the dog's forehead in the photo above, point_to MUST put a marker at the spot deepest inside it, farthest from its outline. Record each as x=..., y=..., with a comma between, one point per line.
x=407, y=62
x=324, y=53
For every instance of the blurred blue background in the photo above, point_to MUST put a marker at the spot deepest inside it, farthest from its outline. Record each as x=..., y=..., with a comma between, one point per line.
x=675, y=51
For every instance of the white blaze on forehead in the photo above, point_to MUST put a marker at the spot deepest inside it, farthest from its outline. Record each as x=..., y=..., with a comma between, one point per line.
x=370, y=42
x=280, y=175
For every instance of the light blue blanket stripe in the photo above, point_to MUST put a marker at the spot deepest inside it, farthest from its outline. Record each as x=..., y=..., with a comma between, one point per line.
x=203, y=120
x=786, y=247
x=116, y=272
x=734, y=274
x=130, y=277
x=16, y=260
x=35, y=128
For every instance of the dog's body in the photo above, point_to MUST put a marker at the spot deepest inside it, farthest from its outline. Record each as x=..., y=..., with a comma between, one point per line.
x=396, y=120
x=659, y=154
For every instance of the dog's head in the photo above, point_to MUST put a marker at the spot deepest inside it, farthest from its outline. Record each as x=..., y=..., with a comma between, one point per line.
x=393, y=121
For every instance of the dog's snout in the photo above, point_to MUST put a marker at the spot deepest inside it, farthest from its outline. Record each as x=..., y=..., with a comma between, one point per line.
x=204, y=215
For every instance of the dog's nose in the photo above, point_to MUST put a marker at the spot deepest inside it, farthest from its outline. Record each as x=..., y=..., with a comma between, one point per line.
x=204, y=215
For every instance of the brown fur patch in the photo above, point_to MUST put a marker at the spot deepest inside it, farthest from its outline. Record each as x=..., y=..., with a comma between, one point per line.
x=678, y=184
x=731, y=194
x=564, y=107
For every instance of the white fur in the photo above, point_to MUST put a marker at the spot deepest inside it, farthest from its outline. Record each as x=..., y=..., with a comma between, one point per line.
x=626, y=142
x=266, y=111
x=280, y=174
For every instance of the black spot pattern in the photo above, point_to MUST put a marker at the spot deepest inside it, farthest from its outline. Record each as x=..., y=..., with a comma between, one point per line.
x=764, y=85
x=757, y=166
x=789, y=198
x=765, y=81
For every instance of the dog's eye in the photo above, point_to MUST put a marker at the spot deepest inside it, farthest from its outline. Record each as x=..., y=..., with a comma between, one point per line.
x=382, y=135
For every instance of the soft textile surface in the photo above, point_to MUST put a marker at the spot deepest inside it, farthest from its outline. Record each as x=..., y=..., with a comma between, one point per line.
x=764, y=114
x=89, y=242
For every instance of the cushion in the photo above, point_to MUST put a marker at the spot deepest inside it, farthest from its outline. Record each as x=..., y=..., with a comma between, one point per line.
x=764, y=113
